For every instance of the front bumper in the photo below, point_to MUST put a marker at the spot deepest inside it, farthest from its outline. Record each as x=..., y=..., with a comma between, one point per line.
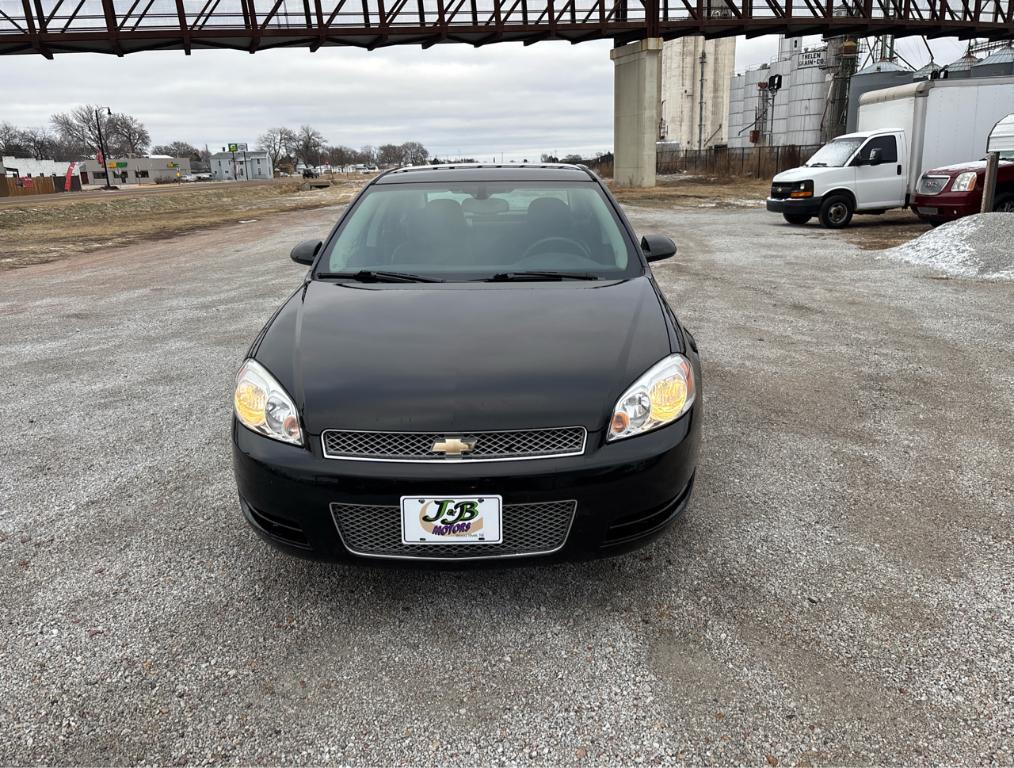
x=627, y=492
x=947, y=206
x=806, y=206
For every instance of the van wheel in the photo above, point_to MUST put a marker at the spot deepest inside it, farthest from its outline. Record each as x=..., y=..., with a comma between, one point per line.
x=796, y=218
x=836, y=212
x=1004, y=203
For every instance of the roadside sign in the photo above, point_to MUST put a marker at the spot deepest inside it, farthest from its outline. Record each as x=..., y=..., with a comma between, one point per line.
x=237, y=147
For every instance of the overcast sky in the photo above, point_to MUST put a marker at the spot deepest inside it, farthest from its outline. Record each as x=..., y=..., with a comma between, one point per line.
x=457, y=100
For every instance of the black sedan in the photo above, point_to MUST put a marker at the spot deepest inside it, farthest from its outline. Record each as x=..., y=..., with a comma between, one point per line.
x=478, y=365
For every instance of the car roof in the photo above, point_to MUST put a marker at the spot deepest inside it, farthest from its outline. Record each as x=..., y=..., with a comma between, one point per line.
x=486, y=172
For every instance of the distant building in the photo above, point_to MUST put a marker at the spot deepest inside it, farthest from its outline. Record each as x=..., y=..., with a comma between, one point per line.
x=28, y=168
x=694, y=91
x=792, y=114
x=875, y=77
x=242, y=166
x=153, y=169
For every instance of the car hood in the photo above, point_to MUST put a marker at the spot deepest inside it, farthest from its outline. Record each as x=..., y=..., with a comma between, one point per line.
x=973, y=165
x=802, y=173
x=455, y=357
x=950, y=170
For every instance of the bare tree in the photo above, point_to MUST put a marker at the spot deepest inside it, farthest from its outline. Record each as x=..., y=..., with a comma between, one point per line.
x=12, y=140
x=309, y=144
x=279, y=143
x=124, y=134
x=367, y=154
x=414, y=153
x=40, y=143
x=389, y=155
x=177, y=149
x=342, y=155
x=81, y=126
x=129, y=134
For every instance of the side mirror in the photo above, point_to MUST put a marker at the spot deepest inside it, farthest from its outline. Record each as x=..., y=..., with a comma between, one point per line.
x=875, y=156
x=657, y=247
x=306, y=251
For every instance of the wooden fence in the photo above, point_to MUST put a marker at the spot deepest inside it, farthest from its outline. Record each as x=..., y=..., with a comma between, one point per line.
x=40, y=185
x=757, y=162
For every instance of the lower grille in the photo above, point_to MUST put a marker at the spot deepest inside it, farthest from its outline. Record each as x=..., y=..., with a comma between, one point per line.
x=528, y=529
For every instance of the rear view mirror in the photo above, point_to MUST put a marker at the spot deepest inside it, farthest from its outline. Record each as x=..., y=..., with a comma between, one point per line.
x=306, y=251
x=657, y=247
x=875, y=156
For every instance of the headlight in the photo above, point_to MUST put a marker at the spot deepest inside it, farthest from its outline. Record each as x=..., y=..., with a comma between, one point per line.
x=802, y=189
x=660, y=396
x=964, y=182
x=263, y=406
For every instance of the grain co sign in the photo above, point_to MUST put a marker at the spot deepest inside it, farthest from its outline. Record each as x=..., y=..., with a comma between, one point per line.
x=812, y=58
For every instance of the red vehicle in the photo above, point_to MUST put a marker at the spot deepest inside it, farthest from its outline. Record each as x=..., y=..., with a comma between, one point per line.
x=948, y=193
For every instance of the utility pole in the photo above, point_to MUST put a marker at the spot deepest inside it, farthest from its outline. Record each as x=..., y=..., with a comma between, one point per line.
x=989, y=183
x=102, y=144
x=700, y=109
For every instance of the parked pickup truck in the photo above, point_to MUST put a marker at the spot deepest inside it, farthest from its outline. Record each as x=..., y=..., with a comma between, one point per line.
x=953, y=191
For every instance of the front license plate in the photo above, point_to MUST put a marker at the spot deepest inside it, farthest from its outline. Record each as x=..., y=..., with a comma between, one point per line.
x=451, y=520
x=926, y=211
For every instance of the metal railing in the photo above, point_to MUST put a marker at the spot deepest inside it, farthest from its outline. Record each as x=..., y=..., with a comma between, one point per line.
x=124, y=26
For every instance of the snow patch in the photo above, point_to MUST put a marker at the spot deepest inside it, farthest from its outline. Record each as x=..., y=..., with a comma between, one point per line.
x=976, y=246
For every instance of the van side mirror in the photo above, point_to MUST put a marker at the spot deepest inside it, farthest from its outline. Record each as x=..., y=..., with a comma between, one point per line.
x=306, y=251
x=657, y=247
x=876, y=156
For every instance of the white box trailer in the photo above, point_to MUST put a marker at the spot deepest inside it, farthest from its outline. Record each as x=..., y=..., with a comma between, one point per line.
x=945, y=121
x=903, y=132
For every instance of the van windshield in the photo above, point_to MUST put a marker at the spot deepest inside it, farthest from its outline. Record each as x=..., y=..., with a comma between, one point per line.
x=836, y=153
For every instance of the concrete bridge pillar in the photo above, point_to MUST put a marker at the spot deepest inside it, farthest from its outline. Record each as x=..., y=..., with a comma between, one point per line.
x=635, y=111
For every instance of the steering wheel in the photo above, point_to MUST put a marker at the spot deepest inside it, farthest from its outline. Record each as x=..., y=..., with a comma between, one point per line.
x=571, y=246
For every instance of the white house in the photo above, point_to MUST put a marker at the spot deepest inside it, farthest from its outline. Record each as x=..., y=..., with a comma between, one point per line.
x=242, y=166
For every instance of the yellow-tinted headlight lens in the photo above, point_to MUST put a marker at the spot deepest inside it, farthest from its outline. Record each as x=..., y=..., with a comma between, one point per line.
x=668, y=397
x=249, y=402
x=263, y=406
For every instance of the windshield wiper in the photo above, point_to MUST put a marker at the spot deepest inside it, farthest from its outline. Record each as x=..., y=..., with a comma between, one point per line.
x=378, y=276
x=506, y=277
x=816, y=165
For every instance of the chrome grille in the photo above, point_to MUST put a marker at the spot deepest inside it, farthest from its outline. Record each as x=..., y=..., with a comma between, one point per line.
x=528, y=529
x=418, y=446
x=932, y=185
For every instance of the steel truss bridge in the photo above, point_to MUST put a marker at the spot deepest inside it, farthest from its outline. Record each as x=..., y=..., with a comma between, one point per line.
x=118, y=27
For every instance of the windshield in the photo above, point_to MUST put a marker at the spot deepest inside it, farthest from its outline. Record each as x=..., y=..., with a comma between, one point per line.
x=835, y=153
x=477, y=230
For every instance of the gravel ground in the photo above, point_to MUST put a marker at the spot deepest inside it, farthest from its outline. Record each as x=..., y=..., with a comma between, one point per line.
x=838, y=592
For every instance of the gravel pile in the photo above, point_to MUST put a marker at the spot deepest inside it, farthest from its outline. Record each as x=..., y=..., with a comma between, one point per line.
x=975, y=246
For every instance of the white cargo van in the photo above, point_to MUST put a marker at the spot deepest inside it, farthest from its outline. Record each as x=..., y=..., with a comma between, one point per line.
x=903, y=131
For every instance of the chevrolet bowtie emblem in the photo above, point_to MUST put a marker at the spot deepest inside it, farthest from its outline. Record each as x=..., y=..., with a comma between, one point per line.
x=453, y=446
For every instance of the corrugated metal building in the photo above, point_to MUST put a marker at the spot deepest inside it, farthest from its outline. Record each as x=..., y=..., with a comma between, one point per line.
x=793, y=114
